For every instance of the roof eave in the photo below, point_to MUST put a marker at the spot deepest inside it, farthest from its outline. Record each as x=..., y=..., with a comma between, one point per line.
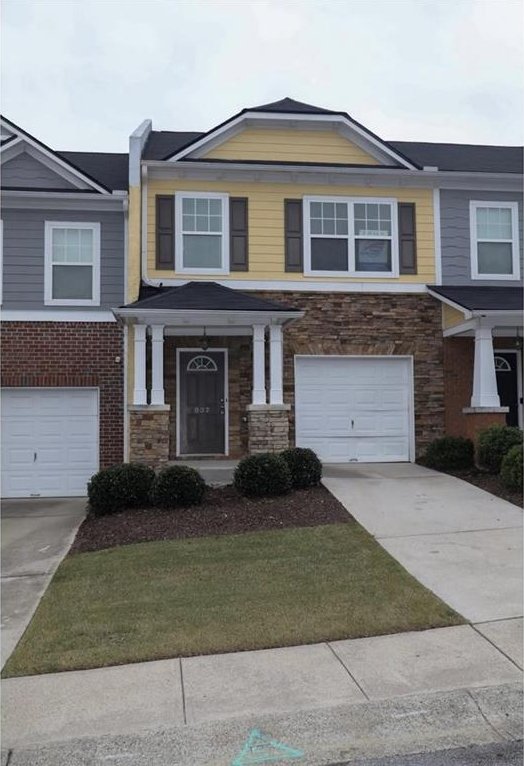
x=208, y=317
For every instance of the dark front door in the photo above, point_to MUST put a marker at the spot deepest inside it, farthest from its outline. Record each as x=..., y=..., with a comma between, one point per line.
x=508, y=384
x=202, y=402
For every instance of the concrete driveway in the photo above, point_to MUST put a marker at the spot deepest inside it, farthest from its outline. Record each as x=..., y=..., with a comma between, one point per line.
x=36, y=534
x=459, y=541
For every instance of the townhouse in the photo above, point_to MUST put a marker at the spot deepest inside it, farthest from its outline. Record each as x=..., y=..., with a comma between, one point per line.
x=63, y=270
x=286, y=278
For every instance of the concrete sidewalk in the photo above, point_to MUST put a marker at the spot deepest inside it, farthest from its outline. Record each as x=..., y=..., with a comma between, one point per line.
x=462, y=543
x=36, y=535
x=153, y=695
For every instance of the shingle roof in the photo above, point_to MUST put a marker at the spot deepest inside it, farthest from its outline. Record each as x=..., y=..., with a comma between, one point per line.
x=164, y=143
x=464, y=157
x=289, y=105
x=110, y=169
x=474, y=298
x=452, y=157
x=201, y=296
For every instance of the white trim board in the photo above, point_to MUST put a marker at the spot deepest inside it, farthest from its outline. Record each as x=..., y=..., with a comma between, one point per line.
x=55, y=315
x=437, y=236
x=225, y=352
x=306, y=285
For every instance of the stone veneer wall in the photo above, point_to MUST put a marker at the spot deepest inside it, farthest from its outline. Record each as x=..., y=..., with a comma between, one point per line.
x=372, y=324
x=334, y=323
x=268, y=429
x=149, y=435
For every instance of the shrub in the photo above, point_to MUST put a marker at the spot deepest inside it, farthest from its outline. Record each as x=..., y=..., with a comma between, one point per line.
x=177, y=485
x=304, y=466
x=511, y=468
x=450, y=453
x=262, y=475
x=494, y=443
x=121, y=486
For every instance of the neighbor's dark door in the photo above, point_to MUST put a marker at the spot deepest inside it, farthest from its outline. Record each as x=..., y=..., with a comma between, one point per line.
x=507, y=384
x=202, y=403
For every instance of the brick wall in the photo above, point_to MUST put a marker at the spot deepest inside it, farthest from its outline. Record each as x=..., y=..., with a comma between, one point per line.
x=71, y=354
x=459, y=356
x=336, y=323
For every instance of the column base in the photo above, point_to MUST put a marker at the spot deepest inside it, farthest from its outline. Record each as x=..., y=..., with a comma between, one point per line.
x=476, y=419
x=268, y=428
x=149, y=435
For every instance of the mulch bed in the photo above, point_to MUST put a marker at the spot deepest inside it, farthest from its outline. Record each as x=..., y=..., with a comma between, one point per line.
x=223, y=512
x=491, y=483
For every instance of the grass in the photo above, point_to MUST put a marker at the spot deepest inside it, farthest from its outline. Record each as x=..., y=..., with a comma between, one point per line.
x=221, y=594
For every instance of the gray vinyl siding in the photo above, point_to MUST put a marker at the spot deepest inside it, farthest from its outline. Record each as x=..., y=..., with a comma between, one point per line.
x=23, y=256
x=24, y=172
x=455, y=235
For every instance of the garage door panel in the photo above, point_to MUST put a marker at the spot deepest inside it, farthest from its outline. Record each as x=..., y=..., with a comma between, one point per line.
x=61, y=427
x=354, y=408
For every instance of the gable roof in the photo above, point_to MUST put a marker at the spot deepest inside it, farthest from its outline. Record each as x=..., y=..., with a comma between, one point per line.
x=104, y=172
x=201, y=296
x=473, y=298
x=464, y=157
x=288, y=108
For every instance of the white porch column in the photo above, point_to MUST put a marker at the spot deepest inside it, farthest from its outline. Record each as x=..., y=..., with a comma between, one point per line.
x=484, y=378
x=276, y=394
x=140, y=392
x=259, y=364
x=157, y=364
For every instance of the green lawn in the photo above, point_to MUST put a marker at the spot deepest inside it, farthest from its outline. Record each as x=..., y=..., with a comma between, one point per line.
x=221, y=594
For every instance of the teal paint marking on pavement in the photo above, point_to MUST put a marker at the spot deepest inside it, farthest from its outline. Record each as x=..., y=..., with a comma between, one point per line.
x=260, y=748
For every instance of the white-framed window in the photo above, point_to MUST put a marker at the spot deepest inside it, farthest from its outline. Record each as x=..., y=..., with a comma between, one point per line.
x=201, y=233
x=72, y=264
x=350, y=236
x=494, y=235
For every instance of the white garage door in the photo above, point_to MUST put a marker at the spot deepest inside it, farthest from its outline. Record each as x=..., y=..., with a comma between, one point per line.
x=49, y=441
x=354, y=409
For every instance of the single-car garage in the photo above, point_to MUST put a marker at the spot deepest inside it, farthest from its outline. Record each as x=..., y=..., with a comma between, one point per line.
x=355, y=408
x=49, y=441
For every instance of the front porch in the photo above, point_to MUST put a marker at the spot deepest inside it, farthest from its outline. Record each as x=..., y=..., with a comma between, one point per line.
x=207, y=374
x=482, y=359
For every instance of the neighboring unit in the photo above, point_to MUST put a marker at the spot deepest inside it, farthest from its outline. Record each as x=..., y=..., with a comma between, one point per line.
x=63, y=252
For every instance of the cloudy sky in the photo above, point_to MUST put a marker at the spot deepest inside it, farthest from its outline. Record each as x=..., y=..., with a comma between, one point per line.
x=82, y=74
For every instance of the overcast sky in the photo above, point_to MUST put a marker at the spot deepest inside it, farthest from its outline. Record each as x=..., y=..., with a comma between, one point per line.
x=82, y=74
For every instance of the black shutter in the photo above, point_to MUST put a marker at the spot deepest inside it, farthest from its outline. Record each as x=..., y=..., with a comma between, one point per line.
x=407, y=238
x=293, y=234
x=165, y=231
x=238, y=234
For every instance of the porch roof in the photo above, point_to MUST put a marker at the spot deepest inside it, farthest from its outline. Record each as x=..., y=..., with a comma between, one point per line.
x=202, y=296
x=480, y=299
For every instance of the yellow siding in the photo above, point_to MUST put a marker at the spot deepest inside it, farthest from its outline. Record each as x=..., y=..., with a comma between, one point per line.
x=133, y=244
x=451, y=316
x=266, y=225
x=288, y=145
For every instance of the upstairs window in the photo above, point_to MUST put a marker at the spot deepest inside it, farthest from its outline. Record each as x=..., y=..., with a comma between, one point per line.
x=351, y=237
x=72, y=263
x=202, y=226
x=494, y=240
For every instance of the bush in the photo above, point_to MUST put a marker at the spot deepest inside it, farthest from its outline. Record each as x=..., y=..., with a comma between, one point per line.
x=511, y=468
x=304, y=466
x=494, y=443
x=177, y=485
x=262, y=475
x=450, y=453
x=121, y=486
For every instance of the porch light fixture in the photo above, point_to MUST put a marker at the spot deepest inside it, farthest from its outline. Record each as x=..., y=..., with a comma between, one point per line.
x=518, y=341
x=204, y=345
